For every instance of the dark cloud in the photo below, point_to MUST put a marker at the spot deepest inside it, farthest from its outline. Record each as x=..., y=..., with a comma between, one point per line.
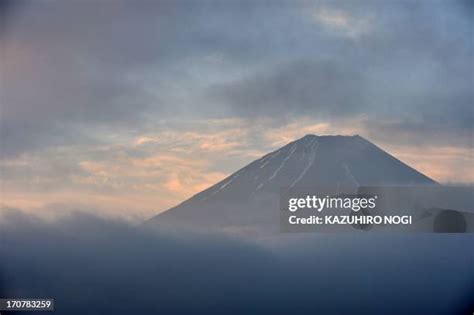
x=320, y=89
x=8, y=10
x=412, y=65
x=66, y=68
x=97, y=266
x=410, y=132
x=70, y=67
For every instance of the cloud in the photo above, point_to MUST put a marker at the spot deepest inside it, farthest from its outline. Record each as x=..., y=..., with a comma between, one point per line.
x=444, y=164
x=128, y=178
x=319, y=89
x=342, y=22
x=74, y=68
x=98, y=266
x=297, y=128
x=121, y=185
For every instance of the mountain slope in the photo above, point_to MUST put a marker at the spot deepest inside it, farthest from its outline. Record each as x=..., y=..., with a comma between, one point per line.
x=250, y=196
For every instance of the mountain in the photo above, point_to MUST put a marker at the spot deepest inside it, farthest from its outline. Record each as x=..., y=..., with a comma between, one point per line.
x=248, y=200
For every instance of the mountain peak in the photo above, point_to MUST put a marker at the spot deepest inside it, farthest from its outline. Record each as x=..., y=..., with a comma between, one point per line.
x=317, y=160
x=341, y=161
x=313, y=136
x=308, y=136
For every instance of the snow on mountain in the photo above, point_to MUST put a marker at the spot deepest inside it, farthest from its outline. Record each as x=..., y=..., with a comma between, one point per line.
x=249, y=197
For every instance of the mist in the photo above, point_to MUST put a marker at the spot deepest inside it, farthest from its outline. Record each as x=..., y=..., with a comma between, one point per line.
x=92, y=265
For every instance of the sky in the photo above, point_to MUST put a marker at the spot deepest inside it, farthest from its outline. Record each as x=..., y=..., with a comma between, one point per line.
x=128, y=108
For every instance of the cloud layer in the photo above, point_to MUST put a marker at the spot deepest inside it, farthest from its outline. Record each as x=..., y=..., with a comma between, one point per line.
x=99, y=266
